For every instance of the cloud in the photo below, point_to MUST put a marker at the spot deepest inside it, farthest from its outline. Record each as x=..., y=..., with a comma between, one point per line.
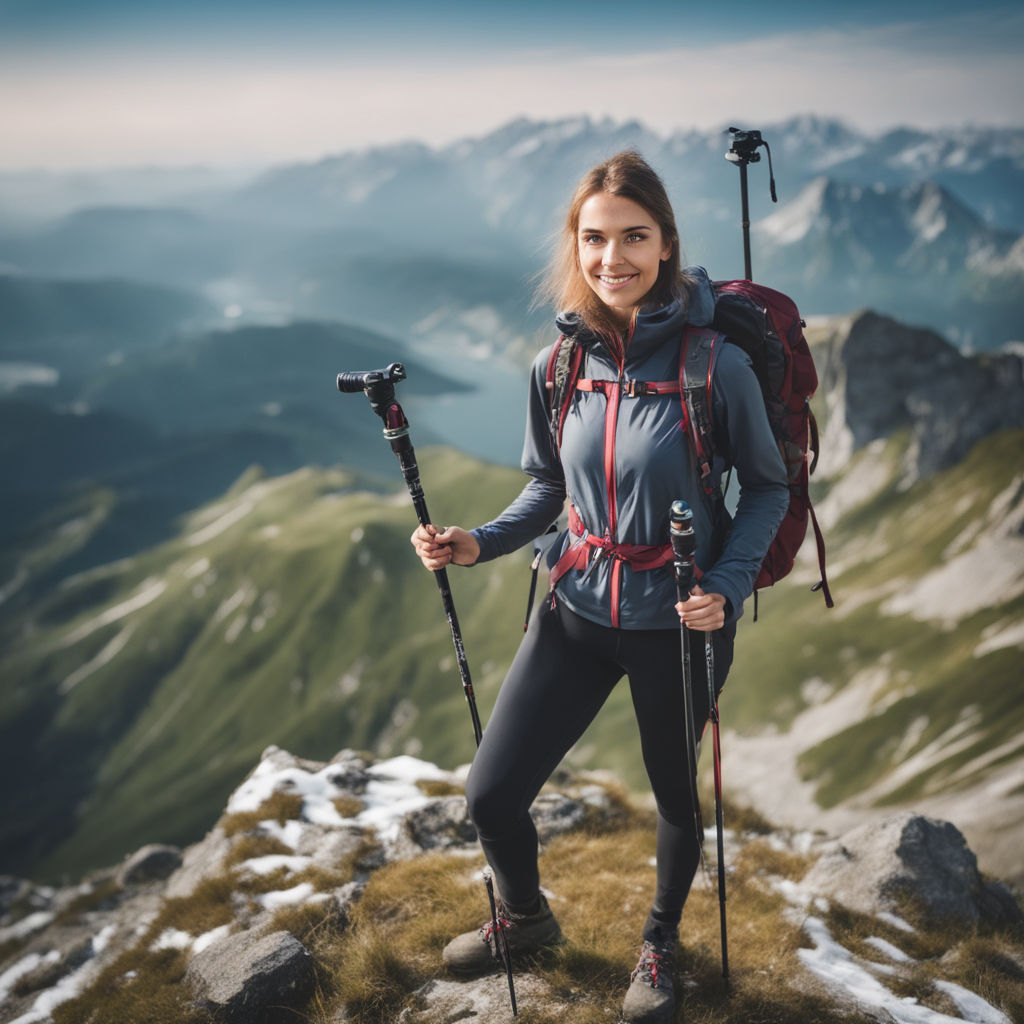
x=124, y=107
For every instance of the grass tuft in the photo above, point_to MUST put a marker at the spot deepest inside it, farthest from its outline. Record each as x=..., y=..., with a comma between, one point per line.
x=139, y=987
x=347, y=806
x=279, y=807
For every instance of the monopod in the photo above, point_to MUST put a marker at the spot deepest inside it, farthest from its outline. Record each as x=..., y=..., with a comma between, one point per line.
x=742, y=152
x=379, y=387
x=684, y=545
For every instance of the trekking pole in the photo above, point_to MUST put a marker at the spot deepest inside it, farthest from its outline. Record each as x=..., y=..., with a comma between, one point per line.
x=680, y=529
x=379, y=386
x=683, y=547
x=742, y=152
x=709, y=666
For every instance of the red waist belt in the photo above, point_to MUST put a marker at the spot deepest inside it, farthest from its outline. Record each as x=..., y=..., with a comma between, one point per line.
x=586, y=554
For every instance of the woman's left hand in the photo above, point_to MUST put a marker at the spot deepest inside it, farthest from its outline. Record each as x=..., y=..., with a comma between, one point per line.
x=704, y=612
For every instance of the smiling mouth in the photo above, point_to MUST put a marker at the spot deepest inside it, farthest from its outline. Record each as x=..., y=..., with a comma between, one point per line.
x=613, y=281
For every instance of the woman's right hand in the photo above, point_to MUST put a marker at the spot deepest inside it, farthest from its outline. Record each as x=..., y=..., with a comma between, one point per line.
x=438, y=548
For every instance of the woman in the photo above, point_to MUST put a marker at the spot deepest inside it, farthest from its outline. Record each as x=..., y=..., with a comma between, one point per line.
x=622, y=459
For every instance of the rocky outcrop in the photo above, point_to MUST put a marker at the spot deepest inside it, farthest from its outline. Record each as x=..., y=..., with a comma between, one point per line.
x=250, y=978
x=149, y=864
x=909, y=860
x=365, y=815
x=878, y=377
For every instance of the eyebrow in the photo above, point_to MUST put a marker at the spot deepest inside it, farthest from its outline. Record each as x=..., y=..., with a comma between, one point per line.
x=625, y=231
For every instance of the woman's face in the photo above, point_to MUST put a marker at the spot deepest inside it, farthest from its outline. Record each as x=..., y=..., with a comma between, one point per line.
x=621, y=248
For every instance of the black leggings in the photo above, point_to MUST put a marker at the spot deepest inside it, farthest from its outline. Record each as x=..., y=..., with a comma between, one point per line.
x=561, y=676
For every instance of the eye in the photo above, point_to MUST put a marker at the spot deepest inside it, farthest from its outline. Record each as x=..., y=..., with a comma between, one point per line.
x=636, y=236
x=592, y=239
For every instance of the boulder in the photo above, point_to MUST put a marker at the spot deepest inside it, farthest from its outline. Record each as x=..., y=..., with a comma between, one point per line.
x=150, y=864
x=909, y=862
x=252, y=979
x=442, y=823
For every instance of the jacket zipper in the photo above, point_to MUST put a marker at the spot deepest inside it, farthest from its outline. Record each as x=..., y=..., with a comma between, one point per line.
x=613, y=394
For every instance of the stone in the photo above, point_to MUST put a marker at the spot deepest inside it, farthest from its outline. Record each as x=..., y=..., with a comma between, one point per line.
x=152, y=863
x=909, y=862
x=484, y=1000
x=554, y=814
x=248, y=978
x=443, y=823
x=345, y=898
x=201, y=861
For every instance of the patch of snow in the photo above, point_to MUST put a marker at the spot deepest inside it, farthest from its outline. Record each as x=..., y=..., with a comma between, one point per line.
x=976, y=764
x=972, y=1006
x=315, y=788
x=27, y=964
x=889, y=950
x=868, y=476
x=26, y=926
x=68, y=987
x=999, y=635
x=210, y=937
x=896, y=922
x=104, y=657
x=798, y=218
x=390, y=794
x=149, y=591
x=287, y=897
x=290, y=833
x=989, y=574
x=101, y=939
x=961, y=735
x=929, y=218
x=274, y=862
x=837, y=968
x=172, y=938
x=393, y=792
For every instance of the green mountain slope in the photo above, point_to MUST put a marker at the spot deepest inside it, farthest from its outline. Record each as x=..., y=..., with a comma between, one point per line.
x=137, y=694
x=292, y=611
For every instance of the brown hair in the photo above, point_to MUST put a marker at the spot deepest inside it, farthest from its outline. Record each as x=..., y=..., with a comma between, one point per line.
x=626, y=174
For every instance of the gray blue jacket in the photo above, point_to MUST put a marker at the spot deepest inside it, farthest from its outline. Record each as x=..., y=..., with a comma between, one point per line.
x=651, y=464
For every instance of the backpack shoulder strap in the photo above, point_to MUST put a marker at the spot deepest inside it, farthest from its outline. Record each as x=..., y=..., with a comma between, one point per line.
x=563, y=371
x=696, y=362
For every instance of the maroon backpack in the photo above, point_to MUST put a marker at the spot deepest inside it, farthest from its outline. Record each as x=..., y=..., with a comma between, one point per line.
x=768, y=327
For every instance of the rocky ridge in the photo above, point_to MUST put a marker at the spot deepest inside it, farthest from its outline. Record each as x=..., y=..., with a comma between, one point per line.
x=878, y=376
x=301, y=838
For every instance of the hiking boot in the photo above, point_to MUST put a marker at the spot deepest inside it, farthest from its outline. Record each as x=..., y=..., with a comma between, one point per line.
x=651, y=999
x=476, y=952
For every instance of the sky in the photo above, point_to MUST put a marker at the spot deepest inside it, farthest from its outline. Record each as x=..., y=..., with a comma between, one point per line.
x=104, y=83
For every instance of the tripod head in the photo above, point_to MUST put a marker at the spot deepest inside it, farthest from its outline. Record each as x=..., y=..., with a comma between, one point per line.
x=379, y=386
x=744, y=146
x=744, y=150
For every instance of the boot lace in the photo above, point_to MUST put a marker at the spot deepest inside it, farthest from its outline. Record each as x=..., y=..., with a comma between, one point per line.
x=650, y=964
x=504, y=923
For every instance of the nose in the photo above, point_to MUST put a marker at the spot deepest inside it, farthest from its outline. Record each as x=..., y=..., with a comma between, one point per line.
x=611, y=254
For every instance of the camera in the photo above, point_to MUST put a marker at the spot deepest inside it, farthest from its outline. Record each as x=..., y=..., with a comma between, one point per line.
x=744, y=146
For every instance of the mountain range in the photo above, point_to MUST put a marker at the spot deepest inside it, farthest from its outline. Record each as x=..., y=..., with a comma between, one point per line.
x=923, y=225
